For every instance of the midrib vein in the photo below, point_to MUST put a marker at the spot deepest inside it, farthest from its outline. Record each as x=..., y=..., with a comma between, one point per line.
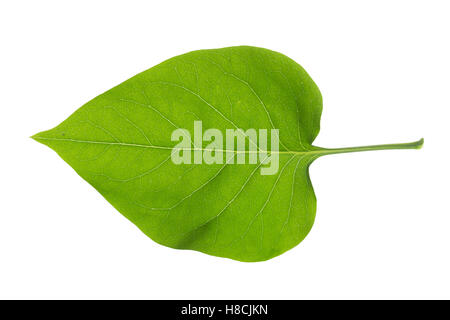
x=322, y=151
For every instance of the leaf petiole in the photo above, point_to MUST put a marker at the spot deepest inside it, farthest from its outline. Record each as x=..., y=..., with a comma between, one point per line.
x=395, y=146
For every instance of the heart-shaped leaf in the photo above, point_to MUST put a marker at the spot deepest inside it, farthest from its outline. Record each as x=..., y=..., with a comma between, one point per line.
x=147, y=146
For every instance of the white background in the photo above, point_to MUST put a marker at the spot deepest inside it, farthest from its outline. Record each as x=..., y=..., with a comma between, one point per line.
x=383, y=219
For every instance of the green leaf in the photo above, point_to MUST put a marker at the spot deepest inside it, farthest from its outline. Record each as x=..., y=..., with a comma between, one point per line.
x=120, y=142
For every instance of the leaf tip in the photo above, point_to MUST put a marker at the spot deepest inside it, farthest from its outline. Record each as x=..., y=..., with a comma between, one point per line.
x=38, y=137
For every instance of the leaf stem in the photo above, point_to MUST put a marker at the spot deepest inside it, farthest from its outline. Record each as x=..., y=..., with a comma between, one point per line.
x=410, y=145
